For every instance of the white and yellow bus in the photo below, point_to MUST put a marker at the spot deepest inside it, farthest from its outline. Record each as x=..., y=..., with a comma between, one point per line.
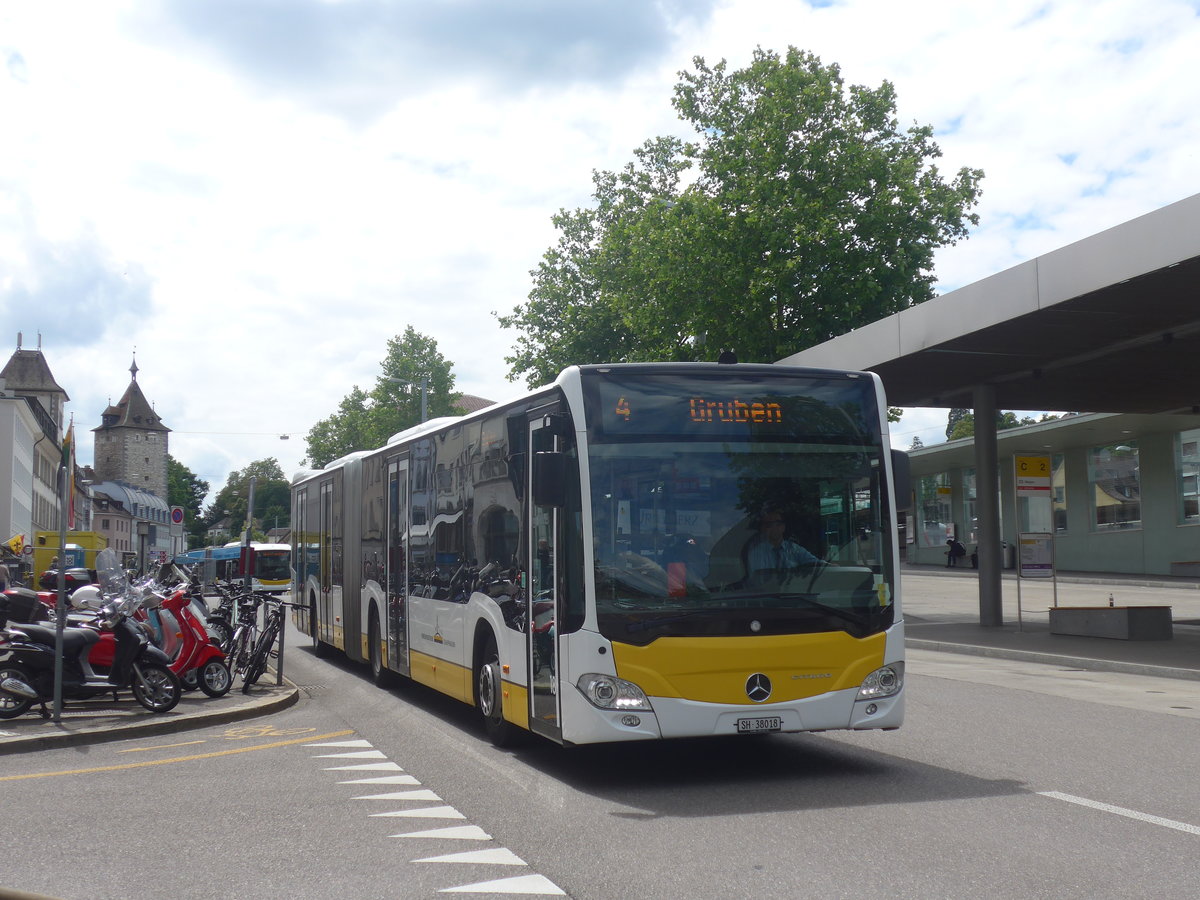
x=634, y=552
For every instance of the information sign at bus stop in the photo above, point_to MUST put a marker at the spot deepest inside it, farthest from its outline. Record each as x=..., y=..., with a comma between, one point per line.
x=1035, y=553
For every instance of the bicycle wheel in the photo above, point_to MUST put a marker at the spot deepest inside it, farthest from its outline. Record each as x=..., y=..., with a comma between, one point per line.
x=239, y=651
x=257, y=663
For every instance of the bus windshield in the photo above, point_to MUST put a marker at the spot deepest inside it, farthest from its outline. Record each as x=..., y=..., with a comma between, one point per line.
x=272, y=565
x=781, y=532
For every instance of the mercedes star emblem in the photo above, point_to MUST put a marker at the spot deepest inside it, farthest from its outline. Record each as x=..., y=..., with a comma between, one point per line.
x=758, y=687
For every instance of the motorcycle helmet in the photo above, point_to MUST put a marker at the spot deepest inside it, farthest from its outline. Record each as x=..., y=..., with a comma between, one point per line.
x=87, y=597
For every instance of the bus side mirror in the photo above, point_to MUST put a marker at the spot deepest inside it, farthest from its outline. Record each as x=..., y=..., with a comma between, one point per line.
x=901, y=480
x=549, y=479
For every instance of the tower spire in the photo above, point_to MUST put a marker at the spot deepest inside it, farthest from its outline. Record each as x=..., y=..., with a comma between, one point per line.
x=133, y=369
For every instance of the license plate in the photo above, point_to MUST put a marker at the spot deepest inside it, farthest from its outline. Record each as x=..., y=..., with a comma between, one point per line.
x=759, y=725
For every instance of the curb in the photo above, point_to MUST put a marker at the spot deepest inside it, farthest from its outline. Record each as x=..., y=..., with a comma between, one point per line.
x=99, y=734
x=1053, y=659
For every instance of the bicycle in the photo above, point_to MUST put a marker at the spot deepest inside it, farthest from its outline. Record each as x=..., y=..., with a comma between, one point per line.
x=245, y=636
x=262, y=650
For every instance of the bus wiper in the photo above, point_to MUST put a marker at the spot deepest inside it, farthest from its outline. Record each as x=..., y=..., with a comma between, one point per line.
x=852, y=617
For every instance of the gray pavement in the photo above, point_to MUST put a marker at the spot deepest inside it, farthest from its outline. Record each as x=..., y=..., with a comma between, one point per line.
x=95, y=721
x=941, y=614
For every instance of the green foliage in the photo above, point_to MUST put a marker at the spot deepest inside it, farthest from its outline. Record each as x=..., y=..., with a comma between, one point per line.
x=964, y=427
x=802, y=211
x=186, y=489
x=366, y=420
x=272, y=499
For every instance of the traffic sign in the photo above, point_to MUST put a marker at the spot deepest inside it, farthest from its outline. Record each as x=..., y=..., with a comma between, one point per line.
x=176, y=515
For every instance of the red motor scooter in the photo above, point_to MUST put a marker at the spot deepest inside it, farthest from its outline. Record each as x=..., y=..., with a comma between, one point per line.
x=178, y=632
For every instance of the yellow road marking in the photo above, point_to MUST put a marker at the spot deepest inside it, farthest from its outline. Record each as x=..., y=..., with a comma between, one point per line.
x=177, y=759
x=159, y=747
x=260, y=731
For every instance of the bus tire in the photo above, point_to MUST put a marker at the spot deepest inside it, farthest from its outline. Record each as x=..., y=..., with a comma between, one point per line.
x=379, y=673
x=489, y=696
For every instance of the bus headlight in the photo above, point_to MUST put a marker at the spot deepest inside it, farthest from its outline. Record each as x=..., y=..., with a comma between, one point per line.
x=607, y=692
x=884, y=682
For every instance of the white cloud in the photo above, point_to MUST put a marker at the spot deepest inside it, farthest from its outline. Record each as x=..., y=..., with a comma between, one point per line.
x=257, y=217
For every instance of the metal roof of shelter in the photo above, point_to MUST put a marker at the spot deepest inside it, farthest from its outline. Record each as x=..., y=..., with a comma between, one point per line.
x=1110, y=323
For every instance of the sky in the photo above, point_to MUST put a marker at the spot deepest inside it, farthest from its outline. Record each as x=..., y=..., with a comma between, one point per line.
x=252, y=196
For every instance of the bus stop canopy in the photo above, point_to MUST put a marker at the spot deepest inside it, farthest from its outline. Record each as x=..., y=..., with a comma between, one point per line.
x=1110, y=323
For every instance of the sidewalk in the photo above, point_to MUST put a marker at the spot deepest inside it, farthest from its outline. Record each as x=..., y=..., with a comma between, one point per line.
x=95, y=721
x=945, y=618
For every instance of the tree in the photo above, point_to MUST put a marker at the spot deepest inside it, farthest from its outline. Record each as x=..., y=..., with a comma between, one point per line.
x=956, y=415
x=365, y=420
x=809, y=213
x=272, y=499
x=965, y=426
x=185, y=489
x=917, y=443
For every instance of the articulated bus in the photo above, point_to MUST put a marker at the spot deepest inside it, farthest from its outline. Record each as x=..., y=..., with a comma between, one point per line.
x=271, y=571
x=637, y=551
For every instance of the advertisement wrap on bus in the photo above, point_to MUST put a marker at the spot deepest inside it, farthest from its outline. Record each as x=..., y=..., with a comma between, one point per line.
x=635, y=552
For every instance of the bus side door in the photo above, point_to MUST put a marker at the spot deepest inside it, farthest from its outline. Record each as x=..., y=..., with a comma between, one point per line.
x=542, y=564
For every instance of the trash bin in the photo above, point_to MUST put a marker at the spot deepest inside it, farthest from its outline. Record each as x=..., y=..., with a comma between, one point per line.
x=1008, y=555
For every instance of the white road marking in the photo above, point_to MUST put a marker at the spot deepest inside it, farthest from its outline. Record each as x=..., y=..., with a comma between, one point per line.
x=1121, y=811
x=498, y=856
x=367, y=767
x=428, y=812
x=401, y=795
x=522, y=884
x=385, y=779
x=354, y=754
x=454, y=832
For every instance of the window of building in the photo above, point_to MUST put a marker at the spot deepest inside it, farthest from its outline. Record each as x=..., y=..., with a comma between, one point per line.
x=104, y=524
x=933, y=510
x=1187, y=459
x=969, y=509
x=1114, y=478
x=1058, y=491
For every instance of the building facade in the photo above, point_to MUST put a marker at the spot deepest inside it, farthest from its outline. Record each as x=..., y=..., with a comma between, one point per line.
x=31, y=436
x=1121, y=494
x=132, y=443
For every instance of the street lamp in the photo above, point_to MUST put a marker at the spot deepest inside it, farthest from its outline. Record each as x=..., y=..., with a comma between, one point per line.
x=424, y=383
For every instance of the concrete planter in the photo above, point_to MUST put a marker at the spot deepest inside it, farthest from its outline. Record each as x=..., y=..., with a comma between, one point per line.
x=1126, y=623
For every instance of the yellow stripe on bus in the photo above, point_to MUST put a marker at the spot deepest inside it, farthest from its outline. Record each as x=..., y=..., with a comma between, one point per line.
x=714, y=670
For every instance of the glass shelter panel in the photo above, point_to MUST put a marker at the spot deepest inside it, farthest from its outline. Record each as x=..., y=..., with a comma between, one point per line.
x=1115, y=480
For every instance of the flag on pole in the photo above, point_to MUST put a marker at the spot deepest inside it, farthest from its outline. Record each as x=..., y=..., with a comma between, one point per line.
x=68, y=461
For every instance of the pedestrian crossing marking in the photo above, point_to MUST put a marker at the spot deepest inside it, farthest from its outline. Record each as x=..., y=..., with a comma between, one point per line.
x=354, y=754
x=498, y=856
x=454, y=833
x=367, y=767
x=384, y=779
x=401, y=795
x=428, y=812
x=521, y=884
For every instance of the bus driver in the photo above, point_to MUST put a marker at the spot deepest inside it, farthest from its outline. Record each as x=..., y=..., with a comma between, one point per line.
x=771, y=553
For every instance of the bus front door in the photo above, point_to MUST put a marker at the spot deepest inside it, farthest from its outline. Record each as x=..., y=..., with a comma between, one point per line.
x=543, y=567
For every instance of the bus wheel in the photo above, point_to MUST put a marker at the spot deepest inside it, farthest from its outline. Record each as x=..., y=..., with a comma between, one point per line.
x=488, y=697
x=379, y=674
